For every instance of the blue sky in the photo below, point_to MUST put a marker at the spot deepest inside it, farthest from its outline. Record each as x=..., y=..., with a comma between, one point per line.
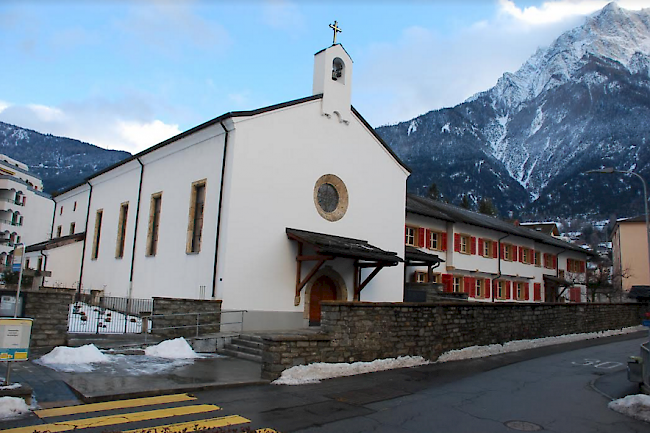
x=127, y=75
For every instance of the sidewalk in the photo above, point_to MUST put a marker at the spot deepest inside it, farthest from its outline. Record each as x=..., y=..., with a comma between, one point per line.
x=113, y=381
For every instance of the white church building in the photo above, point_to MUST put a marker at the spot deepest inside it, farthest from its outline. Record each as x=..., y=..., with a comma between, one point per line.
x=270, y=211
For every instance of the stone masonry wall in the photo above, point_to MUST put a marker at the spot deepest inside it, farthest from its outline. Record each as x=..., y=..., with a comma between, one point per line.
x=49, y=309
x=356, y=331
x=177, y=311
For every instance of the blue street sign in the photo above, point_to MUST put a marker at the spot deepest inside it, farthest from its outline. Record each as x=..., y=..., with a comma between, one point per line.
x=646, y=323
x=15, y=267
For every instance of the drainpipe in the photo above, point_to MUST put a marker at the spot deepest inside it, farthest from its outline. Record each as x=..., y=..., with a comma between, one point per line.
x=53, y=218
x=83, y=251
x=498, y=264
x=221, y=187
x=135, y=230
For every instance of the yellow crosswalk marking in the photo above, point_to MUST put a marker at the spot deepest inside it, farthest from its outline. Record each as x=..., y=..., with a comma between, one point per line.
x=102, y=421
x=223, y=421
x=109, y=405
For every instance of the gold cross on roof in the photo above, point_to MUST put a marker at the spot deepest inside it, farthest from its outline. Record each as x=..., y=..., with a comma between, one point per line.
x=336, y=30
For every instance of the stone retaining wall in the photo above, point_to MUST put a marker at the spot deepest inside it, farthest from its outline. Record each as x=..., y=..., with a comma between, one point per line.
x=49, y=309
x=357, y=331
x=177, y=311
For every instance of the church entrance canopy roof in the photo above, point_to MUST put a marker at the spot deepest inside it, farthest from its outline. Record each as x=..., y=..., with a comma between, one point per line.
x=337, y=246
x=329, y=247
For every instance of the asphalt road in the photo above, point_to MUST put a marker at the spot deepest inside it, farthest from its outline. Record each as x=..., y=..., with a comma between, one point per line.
x=558, y=389
x=562, y=388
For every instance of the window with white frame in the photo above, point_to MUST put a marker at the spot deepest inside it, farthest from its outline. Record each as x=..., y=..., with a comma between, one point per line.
x=409, y=236
x=479, y=288
x=464, y=244
x=458, y=284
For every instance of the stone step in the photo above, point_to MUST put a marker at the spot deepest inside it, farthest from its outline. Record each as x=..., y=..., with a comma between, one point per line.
x=251, y=337
x=234, y=347
x=247, y=343
x=241, y=355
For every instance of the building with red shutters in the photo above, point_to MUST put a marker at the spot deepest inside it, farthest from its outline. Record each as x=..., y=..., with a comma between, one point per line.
x=488, y=259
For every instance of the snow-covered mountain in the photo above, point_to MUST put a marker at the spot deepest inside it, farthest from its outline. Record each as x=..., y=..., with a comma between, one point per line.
x=580, y=104
x=60, y=162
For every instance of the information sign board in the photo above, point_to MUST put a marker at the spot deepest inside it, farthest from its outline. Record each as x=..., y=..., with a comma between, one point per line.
x=14, y=339
x=645, y=322
x=18, y=257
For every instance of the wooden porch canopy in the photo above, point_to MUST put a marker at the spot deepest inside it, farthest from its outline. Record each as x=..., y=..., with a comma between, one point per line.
x=415, y=257
x=329, y=247
x=558, y=283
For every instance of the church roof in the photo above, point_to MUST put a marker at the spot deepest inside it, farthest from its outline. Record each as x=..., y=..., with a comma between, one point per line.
x=447, y=212
x=233, y=114
x=337, y=246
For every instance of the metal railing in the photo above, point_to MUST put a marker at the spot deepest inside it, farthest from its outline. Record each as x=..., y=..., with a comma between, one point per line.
x=8, y=200
x=108, y=315
x=148, y=322
x=645, y=362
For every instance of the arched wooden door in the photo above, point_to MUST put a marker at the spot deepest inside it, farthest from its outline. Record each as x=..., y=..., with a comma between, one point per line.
x=323, y=289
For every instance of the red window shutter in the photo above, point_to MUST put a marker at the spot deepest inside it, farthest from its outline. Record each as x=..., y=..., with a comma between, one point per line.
x=508, y=287
x=420, y=237
x=495, y=251
x=526, y=290
x=480, y=246
x=456, y=242
x=443, y=240
x=473, y=245
x=487, y=287
x=554, y=262
x=466, y=284
x=472, y=287
x=537, y=295
x=427, y=237
x=503, y=251
x=521, y=254
x=583, y=266
x=569, y=268
x=515, y=256
x=545, y=260
x=447, y=282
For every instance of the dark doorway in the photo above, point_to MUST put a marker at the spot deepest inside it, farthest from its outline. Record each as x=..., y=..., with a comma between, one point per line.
x=323, y=289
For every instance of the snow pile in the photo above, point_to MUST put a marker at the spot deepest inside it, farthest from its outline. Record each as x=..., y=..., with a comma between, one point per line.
x=73, y=359
x=515, y=346
x=12, y=407
x=12, y=386
x=314, y=373
x=177, y=348
x=635, y=406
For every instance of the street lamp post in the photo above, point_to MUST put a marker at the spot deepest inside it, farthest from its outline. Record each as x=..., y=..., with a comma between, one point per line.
x=611, y=170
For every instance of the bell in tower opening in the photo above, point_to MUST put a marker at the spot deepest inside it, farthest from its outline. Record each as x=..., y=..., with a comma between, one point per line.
x=337, y=69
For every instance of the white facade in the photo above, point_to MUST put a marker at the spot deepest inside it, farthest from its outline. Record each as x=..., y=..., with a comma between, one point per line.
x=523, y=277
x=25, y=211
x=274, y=158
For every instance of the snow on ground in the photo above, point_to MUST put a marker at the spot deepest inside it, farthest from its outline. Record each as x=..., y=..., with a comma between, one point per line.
x=515, y=346
x=12, y=386
x=73, y=359
x=12, y=407
x=314, y=373
x=177, y=348
x=110, y=322
x=635, y=406
x=158, y=359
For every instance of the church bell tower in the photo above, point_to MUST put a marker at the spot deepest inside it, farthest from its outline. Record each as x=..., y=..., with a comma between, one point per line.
x=333, y=78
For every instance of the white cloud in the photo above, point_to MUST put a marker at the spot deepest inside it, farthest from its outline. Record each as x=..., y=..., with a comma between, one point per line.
x=283, y=15
x=424, y=70
x=144, y=135
x=557, y=11
x=125, y=124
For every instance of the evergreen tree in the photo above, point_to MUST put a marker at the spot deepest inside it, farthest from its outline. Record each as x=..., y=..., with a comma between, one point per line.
x=485, y=206
x=433, y=193
x=464, y=203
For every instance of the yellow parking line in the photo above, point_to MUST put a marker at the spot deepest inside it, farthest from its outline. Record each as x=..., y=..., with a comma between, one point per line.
x=109, y=405
x=102, y=421
x=223, y=421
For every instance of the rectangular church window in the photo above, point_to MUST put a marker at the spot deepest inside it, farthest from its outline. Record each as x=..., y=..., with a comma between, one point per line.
x=98, y=230
x=195, y=219
x=154, y=223
x=121, y=230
